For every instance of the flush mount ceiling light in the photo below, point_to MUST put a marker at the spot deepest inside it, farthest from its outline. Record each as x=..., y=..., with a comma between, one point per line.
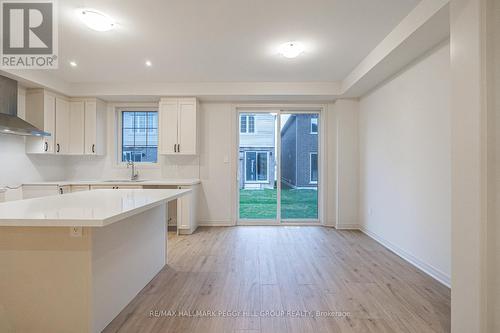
x=291, y=49
x=73, y=63
x=148, y=63
x=96, y=20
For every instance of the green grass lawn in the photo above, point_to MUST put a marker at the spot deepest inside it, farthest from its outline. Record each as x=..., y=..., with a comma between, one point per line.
x=295, y=204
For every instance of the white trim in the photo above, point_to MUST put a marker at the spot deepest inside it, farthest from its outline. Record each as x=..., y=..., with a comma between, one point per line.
x=118, y=137
x=298, y=223
x=345, y=226
x=428, y=269
x=216, y=223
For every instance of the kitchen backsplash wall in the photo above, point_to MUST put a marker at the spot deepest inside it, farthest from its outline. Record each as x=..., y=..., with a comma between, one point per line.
x=105, y=167
x=18, y=167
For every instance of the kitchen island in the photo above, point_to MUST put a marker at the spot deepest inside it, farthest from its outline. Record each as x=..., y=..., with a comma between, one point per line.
x=71, y=263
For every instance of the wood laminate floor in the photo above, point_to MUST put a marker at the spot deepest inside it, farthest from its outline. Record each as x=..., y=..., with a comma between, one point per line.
x=275, y=279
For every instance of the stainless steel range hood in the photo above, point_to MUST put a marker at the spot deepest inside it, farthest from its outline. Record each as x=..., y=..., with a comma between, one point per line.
x=10, y=123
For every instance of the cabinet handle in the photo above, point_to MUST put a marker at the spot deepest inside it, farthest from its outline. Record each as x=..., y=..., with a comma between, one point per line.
x=179, y=148
x=175, y=148
x=58, y=147
x=46, y=148
x=93, y=148
x=60, y=190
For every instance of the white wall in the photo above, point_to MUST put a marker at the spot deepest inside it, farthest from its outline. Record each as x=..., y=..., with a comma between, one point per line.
x=347, y=163
x=494, y=167
x=17, y=167
x=404, y=144
x=217, y=122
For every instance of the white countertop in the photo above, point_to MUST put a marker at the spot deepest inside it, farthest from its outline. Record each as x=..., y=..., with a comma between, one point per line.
x=96, y=208
x=164, y=182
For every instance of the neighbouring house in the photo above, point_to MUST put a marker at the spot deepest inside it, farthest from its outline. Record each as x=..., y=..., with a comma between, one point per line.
x=299, y=151
x=257, y=150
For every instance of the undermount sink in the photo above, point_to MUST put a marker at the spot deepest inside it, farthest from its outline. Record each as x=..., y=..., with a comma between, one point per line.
x=124, y=180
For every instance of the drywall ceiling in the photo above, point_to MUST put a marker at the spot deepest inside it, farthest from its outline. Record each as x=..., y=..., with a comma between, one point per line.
x=222, y=40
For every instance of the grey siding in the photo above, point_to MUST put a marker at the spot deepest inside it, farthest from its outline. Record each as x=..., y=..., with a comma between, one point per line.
x=297, y=143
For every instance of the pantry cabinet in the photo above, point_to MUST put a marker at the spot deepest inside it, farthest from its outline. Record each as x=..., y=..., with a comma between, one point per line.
x=178, y=130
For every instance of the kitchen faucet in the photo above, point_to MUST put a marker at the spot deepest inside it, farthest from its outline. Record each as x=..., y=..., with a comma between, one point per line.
x=135, y=174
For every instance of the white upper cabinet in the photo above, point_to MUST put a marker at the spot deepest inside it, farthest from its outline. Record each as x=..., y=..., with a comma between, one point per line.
x=92, y=125
x=78, y=126
x=63, y=124
x=76, y=137
x=178, y=126
x=41, y=112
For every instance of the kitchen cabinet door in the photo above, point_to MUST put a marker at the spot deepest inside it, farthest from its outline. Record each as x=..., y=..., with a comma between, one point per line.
x=37, y=191
x=41, y=112
x=76, y=128
x=90, y=127
x=168, y=121
x=62, y=127
x=187, y=130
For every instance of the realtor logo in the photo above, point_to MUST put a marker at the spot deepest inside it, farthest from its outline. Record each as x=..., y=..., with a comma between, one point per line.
x=29, y=34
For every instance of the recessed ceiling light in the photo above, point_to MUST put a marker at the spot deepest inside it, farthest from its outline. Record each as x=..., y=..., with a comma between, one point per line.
x=73, y=64
x=149, y=63
x=96, y=20
x=291, y=49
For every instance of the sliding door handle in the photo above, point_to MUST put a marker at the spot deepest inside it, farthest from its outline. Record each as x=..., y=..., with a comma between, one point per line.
x=93, y=148
x=178, y=147
x=175, y=148
x=58, y=148
x=46, y=146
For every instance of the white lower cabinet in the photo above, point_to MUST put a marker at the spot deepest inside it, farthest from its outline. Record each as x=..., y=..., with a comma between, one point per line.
x=115, y=187
x=79, y=188
x=187, y=219
x=37, y=191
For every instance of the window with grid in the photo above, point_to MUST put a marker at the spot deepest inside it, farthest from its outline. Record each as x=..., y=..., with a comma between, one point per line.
x=247, y=124
x=140, y=136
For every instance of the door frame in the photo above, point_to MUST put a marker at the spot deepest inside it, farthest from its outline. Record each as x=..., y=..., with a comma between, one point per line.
x=279, y=109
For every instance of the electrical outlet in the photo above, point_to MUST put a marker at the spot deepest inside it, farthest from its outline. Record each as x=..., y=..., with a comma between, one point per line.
x=75, y=232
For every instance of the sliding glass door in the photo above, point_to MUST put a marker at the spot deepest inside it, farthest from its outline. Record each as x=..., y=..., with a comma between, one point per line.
x=299, y=167
x=257, y=167
x=278, y=169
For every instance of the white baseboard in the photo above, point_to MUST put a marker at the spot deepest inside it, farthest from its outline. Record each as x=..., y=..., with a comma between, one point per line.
x=430, y=270
x=218, y=223
x=347, y=226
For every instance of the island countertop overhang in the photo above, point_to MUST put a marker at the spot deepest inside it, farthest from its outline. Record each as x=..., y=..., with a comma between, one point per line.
x=97, y=208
